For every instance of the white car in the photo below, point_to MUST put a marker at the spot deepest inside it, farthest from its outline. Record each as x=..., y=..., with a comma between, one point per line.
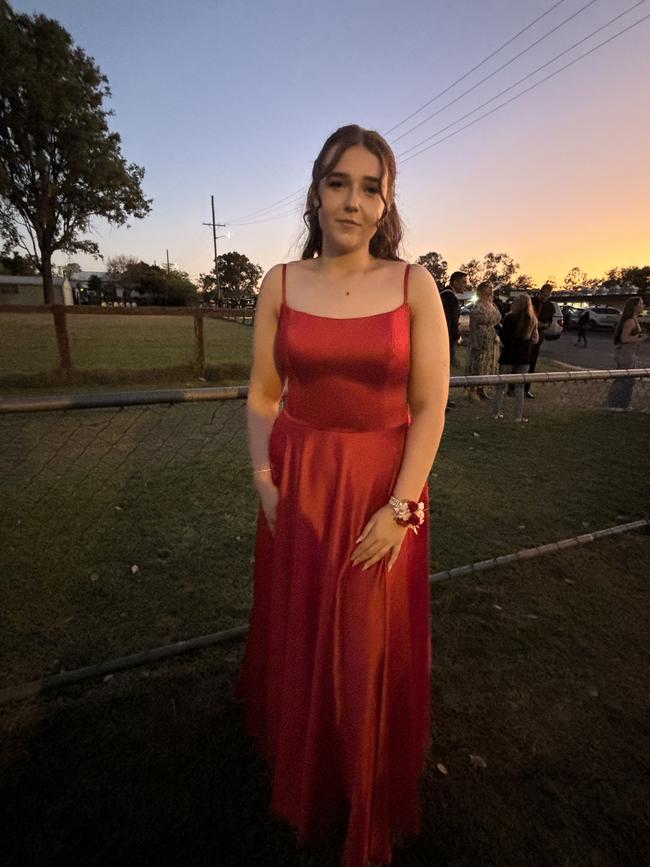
x=603, y=317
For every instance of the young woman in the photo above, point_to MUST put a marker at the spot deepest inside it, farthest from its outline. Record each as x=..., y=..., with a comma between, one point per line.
x=627, y=336
x=336, y=672
x=518, y=335
x=484, y=344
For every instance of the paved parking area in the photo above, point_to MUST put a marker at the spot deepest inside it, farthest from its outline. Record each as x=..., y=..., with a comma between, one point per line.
x=599, y=354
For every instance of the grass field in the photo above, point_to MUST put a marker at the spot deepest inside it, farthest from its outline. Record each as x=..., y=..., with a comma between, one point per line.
x=550, y=687
x=119, y=350
x=126, y=352
x=91, y=494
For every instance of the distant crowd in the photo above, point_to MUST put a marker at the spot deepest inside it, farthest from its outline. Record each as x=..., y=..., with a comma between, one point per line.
x=505, y=336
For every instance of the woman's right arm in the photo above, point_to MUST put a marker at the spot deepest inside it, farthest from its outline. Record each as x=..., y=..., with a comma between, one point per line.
x=264, y=389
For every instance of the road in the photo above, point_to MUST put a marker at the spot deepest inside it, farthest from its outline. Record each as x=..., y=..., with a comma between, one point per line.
x=599, y=354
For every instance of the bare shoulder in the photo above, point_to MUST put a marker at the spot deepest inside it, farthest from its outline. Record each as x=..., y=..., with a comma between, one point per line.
x=270, y=295
x=303, y=265
x=423, y=290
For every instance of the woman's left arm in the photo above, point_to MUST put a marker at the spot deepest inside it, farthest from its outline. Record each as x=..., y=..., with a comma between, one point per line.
x=428, y=389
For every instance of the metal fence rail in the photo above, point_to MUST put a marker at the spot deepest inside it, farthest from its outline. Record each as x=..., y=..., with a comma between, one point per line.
x=127, y=516
x=48, y=403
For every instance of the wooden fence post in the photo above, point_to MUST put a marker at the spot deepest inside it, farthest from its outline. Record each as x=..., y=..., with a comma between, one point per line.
x=62, y=340
x=199, y=346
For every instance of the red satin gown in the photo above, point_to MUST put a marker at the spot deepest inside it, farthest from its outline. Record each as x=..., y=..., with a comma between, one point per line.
x=335, y=677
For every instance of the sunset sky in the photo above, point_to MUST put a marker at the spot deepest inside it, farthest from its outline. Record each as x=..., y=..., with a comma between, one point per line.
x=236, y=98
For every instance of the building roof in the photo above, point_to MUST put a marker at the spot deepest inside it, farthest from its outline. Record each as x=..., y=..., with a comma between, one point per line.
x=82, y=276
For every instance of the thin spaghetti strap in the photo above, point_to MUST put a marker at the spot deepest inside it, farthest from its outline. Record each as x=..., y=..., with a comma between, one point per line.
x=406, y=283
x=284, y=283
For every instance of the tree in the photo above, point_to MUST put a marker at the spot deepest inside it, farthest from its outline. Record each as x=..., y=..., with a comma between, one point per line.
x=436, y=266
x=60, y=165
x=498, y=267
x=474, y=271
x=179, y=290
x=574, y=279
x=635, y=276
x=15, y=264
x=95, y=283
x=66, y=270
x=523, y=283
x=238, y=279
x=116, y=266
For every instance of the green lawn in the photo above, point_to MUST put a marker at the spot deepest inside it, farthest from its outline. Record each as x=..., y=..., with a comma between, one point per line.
x=89, y=494
x=112, y=349
x=549, y=688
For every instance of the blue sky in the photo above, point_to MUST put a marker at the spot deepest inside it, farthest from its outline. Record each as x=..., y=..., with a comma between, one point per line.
x=235, y=100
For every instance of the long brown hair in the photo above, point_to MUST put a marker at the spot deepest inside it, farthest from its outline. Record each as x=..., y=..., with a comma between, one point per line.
x=522, y=308
x=628, y=313
x=385, y=242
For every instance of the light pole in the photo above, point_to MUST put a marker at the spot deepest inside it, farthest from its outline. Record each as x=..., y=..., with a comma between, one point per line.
x=214, y=240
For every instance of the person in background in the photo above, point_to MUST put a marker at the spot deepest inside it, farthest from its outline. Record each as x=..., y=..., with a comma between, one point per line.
x=519, y=334
x=544, y=310
x=627, y=336
x=502, y=304
x=484, y=344
x=583, y=321
x=451, y=306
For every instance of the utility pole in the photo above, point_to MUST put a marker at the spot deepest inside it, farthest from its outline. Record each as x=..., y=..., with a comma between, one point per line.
x=214, y=240
x=167, y=251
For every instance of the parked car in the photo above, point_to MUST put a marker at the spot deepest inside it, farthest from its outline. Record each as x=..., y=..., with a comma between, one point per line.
x=571, y=315
x=603, y=317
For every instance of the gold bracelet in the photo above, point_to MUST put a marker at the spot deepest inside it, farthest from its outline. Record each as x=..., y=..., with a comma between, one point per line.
x=266, y=469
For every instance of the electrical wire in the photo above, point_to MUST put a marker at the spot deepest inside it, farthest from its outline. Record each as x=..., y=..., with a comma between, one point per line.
x=527, y=89
x=302, y=191
x=291, y=213
x=524, y=78
x=496, y=71
x=474, y=68
x=297, y=194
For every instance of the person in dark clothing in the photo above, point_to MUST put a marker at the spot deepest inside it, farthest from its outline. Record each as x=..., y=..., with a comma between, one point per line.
x=583, y=321
x=502, y=305
x=519, y=334
x=451, y=306
x=544, y=311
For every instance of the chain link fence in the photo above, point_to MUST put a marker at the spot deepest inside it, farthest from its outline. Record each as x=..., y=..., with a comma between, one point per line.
x=129, y=519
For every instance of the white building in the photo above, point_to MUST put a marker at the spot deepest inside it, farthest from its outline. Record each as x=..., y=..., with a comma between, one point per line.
x=29, y=290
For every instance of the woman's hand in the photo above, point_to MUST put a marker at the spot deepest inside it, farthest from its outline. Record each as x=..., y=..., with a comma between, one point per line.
x=381, y=536
x=269, y=496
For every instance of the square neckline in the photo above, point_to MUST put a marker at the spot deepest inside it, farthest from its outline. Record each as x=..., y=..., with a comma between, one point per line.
x=404, y=303
x=344, y=318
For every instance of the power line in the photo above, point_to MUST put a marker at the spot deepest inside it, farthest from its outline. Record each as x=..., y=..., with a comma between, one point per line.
x=474, y=68
x=291, y=213
x=496, y=71
x=301, y=192
x=527, y=89
x=283, y=201
x=521, y=80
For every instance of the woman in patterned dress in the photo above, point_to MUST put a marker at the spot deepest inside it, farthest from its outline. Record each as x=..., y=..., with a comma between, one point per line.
x=484, y=346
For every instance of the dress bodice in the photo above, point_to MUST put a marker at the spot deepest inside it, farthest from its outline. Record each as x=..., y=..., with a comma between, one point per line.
x=345, y=374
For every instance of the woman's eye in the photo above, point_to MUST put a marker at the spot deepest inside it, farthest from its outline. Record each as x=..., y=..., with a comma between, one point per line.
x=335, y=184
x=374, y=191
